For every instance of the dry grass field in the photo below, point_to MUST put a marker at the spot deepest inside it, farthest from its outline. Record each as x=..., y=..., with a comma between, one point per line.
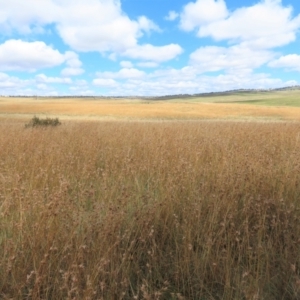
x=133, y=109
x=149, y=210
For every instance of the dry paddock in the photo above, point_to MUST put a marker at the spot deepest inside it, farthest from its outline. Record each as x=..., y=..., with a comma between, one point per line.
x=150, y=210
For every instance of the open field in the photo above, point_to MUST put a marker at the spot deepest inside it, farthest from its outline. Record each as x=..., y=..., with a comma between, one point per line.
x=182, y=202
x=269, y=106
x=150, y=210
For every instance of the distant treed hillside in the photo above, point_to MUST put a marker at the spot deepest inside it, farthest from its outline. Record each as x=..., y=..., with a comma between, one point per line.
x=225, y=93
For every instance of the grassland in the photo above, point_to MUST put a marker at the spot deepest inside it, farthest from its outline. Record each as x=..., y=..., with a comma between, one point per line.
x=281, y=105
x=173, y=199
x=150, y=210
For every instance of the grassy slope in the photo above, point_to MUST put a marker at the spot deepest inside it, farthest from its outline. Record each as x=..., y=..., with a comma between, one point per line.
x=280, y=98
x=274, y=98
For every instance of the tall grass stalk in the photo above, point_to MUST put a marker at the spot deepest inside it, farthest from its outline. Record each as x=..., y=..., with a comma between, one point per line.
x=170, y=210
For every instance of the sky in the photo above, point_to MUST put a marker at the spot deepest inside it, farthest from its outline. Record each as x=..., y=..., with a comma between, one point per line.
x=147, y=47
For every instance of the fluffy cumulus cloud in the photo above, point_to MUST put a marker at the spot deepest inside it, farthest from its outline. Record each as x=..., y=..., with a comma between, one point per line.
x=154, y=53
x=26, y=16
x=234, y=58
x=202, y=12
x=11, y=83
x=124, y=73
x=148, y=64
x=189, y=79
x=42, y=79
x=73, y=65
x=172, y=15
x=288, y=62
x=85, y=26
x=147, y=25
x=104, y=82
x=240, y=49
x=126, y=64
x=98, y=26
x=241, y=81
x=18, y=55
x=180, y=81
x=81, y=87
x=266, y=24
x=129, y=73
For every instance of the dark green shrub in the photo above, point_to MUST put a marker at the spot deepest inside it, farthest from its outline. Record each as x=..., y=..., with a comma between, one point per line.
x=37, y=122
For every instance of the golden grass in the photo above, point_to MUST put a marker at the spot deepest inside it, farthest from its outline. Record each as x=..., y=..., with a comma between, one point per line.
x=138, y=109
x=154, y=210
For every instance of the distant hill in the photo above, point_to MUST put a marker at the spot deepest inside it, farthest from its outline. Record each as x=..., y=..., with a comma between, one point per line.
x=224, y=93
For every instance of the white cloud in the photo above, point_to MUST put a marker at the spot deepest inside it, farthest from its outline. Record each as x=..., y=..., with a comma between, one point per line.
x=26, y=16
x=73, y=65
x=147, y=25
x=42, y=86
x=188, y=73
x=187, y=81
x=72, y=59
x=85, y=26
x=130, y=73
x=239, y=57
x=18, y=55
x=88, y=25
x=241, y=81
x=202, y=12
x=290, y=62
x=126, y=64
x=291, y=83
x=104, y=82
x=266, y=24
x=114, y=32
x=147, y=64
x=71, y=72
x=81, y=87
x=113, y=56
x=42, y=78
x=11, y=83
x=124, y=73
x=102, y=26
x=172, y=15
x=154, y=53
x=28, y=56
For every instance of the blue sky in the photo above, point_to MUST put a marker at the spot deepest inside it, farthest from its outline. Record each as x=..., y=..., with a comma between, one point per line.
x=147, y=47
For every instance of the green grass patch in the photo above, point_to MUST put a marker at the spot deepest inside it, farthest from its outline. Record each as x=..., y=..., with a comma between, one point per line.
x=272, y=98
x=294, y=102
